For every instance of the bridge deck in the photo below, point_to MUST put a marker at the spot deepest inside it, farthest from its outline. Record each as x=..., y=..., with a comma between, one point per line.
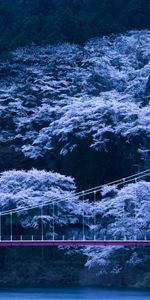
x=75, y=243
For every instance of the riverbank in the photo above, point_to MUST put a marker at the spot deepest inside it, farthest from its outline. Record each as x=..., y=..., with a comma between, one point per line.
x=52, y=267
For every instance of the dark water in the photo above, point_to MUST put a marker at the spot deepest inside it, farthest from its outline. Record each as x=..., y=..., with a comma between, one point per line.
x=73, y=294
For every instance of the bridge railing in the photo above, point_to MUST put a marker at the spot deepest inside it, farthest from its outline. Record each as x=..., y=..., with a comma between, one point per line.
x=44, y=219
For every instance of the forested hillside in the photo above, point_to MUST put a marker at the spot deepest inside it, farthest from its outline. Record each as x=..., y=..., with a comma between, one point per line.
x=80, y=111
x=74, y=114
x=23, y=22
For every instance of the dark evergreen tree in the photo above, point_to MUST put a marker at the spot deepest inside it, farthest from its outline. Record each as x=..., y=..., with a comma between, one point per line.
x=48, y=21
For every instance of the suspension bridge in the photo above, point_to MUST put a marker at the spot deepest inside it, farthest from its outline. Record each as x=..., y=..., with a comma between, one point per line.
x=12, y=233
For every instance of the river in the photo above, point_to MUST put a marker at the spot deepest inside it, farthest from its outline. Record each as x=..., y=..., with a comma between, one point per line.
x=73, y=294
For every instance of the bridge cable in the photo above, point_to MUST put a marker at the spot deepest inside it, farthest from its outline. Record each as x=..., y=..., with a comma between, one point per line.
x=116, y=183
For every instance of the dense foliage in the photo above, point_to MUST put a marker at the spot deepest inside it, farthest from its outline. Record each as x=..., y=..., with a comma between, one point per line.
x=23, y=22
x=79, y=111
x=20, y=189
x=120, y=213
